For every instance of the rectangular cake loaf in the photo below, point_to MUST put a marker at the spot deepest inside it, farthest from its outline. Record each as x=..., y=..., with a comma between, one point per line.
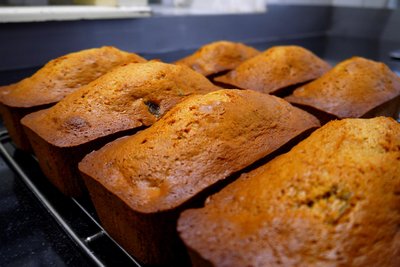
x=54, y=81
x=355, y=88
x=333, y=200
x=139, y=184
x=123, y=101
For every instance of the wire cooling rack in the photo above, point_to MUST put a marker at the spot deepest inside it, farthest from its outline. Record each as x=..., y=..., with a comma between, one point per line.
x=76, y=217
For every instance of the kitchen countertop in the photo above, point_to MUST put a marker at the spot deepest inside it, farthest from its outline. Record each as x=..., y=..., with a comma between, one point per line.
x=29, y=236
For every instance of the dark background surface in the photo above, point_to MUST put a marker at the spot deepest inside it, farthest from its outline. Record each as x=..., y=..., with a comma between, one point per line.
x=28, y=235
x=30, y=45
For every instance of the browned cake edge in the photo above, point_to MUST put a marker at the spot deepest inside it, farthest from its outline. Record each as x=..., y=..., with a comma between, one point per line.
x=60, y=164
x=389, y=108
x=151, y=238
x=12, y=121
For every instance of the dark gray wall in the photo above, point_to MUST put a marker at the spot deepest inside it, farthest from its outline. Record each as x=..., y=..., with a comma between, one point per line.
x=25, y=45
x=370, y=23
x=392, y=27
x=359, y=22
x=29, y=45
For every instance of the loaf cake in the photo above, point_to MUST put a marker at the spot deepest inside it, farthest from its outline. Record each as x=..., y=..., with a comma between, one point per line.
x=356, y=87
x=140, y=183
x=333, y=200
x=218, y=57
x=276, y=69
x=127, y=98
x=54, y=81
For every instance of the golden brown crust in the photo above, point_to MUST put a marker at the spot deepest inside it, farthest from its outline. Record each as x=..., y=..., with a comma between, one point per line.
x=200, y=141
x=127, y=97
x=333, y=200
x=218, y=56
x=351, y=89
x=276, y=68
x=63, y=75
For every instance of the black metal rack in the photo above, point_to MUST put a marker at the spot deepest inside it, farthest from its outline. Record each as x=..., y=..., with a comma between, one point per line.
x=76, y=217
